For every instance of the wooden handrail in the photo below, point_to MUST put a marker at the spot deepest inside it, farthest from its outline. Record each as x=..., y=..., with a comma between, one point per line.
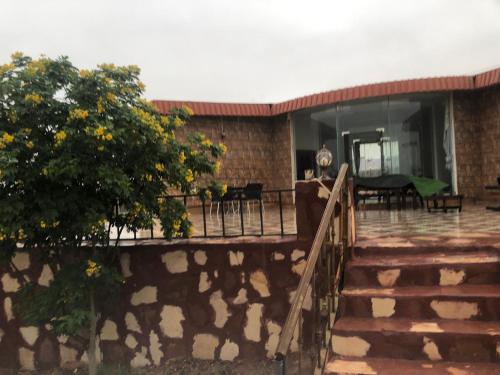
x=305, y=280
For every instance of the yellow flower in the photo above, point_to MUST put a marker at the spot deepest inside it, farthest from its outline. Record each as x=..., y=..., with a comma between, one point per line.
x=99, y=131
x=134, y=69
x=224, y=189
x=45, y=171
x=100, y=106
x=148, y=177
x=206, y=142
x=188, y=110
x=7, y=138
x=189, y=176
x=100, y=148
x=35, y=66
x=78, y=114
x=34, y=99
x=29, y=144
x=178, y=122
x=182, y=157
x=84, y=73
x=176, y=226
x=194, y=152
x=6, y=67
x=223, y=148
x=109, y=137
x=217, y=167
x=148, y=120
x=107, y=66
x=43, y=224
x=184, y=216
x=93, y=269
x=160, y=167
x=164, y=120
x=208, y=194
x=16, y=55
x=60, y=136
x=111, y=97
x=190, y=231
x=141, y=85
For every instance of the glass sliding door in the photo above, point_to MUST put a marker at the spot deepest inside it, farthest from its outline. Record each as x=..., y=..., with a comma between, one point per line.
x=391, y=135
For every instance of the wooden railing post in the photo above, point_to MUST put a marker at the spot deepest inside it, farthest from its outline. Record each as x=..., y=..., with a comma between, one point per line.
x=323, y=274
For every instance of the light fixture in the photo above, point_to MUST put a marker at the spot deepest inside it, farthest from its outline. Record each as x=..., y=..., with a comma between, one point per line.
x=324, y=159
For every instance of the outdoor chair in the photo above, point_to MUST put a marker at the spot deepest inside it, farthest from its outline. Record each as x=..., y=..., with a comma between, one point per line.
x=252, y=193
x=230, y=199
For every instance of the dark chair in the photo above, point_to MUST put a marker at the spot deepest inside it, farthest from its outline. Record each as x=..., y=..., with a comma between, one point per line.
x=230, y=198
x=253, y=193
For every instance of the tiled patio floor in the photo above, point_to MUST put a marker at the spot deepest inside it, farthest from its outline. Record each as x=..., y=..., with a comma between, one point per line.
x=473, y=222
x=232, y=222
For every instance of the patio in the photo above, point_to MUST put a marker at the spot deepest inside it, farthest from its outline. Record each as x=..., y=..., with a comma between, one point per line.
x=473, y=223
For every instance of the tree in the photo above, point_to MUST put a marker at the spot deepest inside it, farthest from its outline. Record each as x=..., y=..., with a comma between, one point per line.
x=81, y=153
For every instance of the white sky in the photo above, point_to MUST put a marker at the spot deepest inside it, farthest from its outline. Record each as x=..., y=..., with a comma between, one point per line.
x=259, y=50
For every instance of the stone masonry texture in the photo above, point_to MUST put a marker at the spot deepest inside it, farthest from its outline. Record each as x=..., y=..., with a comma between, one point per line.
x=213, y=300
x=259, y=149
x=477, y=140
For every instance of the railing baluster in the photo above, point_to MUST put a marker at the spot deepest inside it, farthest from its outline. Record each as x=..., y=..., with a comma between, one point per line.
x=261, y=217
x=241, y=215
x=204, y=217
x=222, y=216
x=281, y=213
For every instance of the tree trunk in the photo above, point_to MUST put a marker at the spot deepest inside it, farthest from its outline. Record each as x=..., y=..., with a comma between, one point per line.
x=92, y=336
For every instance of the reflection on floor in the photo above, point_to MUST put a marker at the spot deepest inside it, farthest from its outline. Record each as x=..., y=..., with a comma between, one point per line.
x=474, y=224
x=232, y=222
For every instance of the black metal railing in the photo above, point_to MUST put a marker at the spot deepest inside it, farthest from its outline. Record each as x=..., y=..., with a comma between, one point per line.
x=323, y=279
x=240, y=213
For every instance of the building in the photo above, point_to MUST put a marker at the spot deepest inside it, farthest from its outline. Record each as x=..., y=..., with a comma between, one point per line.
x=446, y=128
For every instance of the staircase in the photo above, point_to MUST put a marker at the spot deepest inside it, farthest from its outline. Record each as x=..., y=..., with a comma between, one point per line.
x=429, y=310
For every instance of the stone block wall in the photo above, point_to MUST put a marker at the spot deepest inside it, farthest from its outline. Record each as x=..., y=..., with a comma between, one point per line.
x=489, y=118
x=477, y=140
x=467, y=143
x=211, y=300
x=259, y=148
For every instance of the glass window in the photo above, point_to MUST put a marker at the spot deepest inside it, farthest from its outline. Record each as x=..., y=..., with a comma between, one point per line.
x=395, y=135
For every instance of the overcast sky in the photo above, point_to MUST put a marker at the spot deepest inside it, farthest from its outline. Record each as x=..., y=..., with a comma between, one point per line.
x=259, y=50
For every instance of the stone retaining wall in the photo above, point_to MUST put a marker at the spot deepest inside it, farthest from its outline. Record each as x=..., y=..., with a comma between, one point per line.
x=217, y=300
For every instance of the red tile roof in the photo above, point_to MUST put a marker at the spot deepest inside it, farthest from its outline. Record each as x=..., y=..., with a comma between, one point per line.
x=485, y=79
x=217, y=109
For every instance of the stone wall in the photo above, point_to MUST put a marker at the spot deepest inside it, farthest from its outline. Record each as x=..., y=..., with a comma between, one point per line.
x=467, y=143
x=489, y=119
x=259, y=148
x=211, y=300
x=477, y=140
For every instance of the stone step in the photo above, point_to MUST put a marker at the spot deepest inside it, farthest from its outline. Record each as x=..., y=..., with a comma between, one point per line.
x=424, y=340
x=430, y=269
x=389, y=366
x=463, y=302
x=406, y=248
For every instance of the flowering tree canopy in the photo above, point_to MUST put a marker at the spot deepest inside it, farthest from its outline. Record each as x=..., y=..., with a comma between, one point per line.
x=82, y=152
